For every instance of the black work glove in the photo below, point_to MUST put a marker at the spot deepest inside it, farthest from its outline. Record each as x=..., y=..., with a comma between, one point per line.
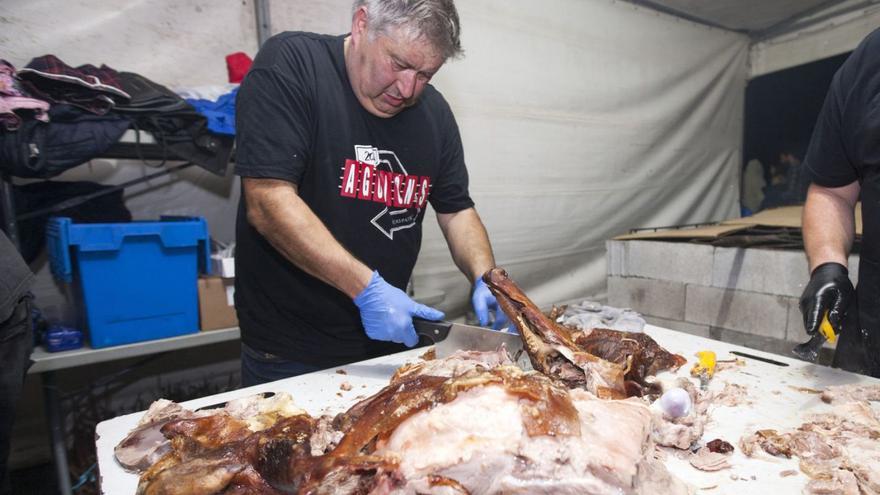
x=829, y=290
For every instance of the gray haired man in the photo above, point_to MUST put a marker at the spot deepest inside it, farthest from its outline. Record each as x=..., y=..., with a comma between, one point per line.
x=342, y=143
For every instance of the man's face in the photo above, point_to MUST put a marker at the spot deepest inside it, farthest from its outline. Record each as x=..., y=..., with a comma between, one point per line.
x=389, y=72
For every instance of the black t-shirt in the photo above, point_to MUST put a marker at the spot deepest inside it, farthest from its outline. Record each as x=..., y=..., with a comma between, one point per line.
x=367, y=178
x=845, y=146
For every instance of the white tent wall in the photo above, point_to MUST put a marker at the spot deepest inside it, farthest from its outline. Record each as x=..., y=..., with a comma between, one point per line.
x=580, y=119
x=833, y=35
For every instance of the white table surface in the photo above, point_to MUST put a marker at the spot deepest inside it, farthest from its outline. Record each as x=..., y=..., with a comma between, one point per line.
x=774, y=402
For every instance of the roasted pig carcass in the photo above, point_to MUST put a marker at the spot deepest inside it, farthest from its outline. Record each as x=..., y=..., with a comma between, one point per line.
x=608, y=363
x=488, y=427
x=488, y=432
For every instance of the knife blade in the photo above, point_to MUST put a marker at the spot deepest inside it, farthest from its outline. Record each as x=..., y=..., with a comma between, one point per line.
x=449, y=337
x=219, y=405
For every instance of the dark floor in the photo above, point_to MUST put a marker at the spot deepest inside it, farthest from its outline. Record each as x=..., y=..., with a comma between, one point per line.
x=35, y=480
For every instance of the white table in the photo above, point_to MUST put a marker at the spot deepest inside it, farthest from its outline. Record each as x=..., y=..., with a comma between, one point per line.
x=775, y=403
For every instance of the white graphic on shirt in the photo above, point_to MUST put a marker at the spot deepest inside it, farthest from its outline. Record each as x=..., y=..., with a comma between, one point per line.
x=378, y=176
x=369, y=154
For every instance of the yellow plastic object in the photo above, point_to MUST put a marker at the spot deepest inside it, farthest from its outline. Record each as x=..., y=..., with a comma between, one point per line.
x=705, y=364
x=827, y=330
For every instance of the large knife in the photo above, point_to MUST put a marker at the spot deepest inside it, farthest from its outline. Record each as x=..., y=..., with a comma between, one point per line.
x=449, y=337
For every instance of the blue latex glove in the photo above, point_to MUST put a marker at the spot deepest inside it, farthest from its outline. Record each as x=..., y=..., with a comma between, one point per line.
x=484, y=301
x=387, y=312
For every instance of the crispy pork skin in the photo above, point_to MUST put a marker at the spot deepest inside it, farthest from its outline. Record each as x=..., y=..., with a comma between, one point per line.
x=644, y=355
x=224, y=462
x=146, y=444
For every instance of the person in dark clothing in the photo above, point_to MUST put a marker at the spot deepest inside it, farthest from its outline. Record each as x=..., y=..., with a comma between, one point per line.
x=341, y=143
x=16, y=343
x=843, y=163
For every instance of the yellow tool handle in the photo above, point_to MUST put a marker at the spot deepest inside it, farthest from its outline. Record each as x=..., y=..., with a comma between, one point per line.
x=826, y=329
x=705, y=364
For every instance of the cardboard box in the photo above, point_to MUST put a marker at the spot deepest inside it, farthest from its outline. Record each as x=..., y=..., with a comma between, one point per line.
x=784, y=216
x=216, y=303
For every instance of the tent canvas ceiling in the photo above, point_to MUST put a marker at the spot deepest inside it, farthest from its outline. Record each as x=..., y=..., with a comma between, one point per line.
x=747, y=16
x=783, y=33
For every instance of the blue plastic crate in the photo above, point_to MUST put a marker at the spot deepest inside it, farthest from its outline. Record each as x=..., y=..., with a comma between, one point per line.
x=134, y=281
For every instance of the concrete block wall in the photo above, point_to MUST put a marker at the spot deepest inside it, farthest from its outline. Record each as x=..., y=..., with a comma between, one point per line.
x=743, y=296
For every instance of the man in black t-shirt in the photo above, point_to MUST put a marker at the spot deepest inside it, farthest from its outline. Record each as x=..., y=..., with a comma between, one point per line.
x=843, y=162
x=342, y=143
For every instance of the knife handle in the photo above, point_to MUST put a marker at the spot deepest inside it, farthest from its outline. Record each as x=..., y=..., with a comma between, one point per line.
x=809, y=350
x=432, y=331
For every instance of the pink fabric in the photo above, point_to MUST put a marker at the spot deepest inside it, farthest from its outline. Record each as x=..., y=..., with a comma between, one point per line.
x=12, y=98
x=9, y=104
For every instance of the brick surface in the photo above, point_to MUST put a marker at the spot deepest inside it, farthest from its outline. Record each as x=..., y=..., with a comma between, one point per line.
x=614, y=257
x=672, y=261
x=650, y=297
x=756, y=270
x=680, y=326
x=748, y=312
x=795, y=328
x=760, y=270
